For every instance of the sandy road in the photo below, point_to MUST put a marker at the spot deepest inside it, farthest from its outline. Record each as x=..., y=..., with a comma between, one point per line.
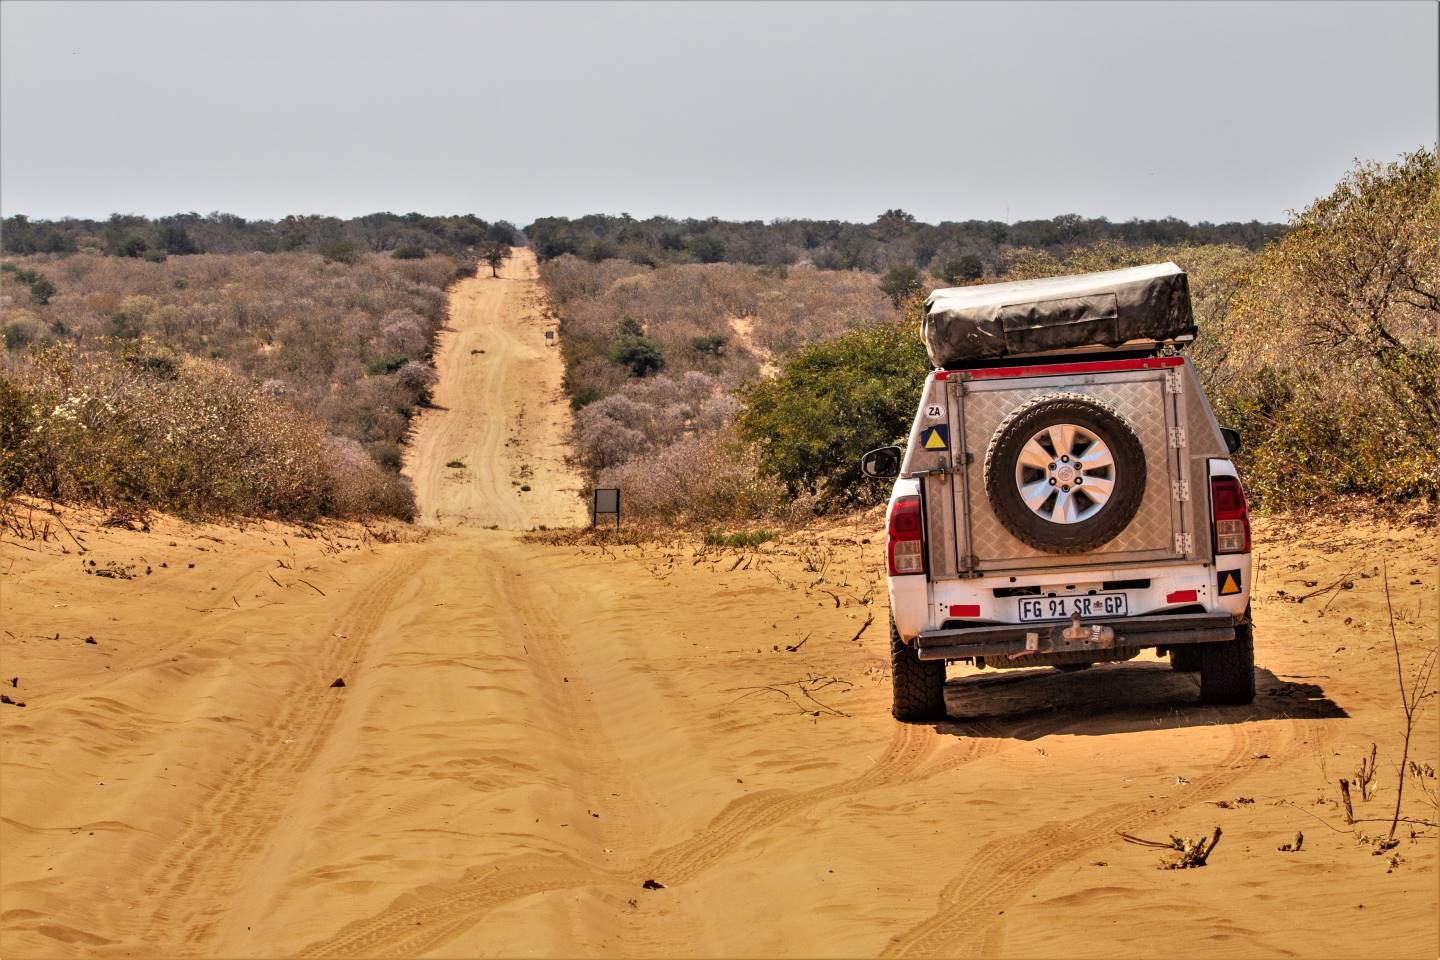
x=528, y=732
x=499, y=409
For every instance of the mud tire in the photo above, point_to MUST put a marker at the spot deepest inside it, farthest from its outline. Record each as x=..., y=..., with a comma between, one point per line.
x=1227, y=670
x=919, y=685
x=1016, y=430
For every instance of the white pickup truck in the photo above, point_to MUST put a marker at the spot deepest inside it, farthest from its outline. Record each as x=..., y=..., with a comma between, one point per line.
x=1066, y=496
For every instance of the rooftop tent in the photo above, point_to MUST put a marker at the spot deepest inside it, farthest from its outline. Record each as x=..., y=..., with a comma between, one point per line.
x=1137, y=306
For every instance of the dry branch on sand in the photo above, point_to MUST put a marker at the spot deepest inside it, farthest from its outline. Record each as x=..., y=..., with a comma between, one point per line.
x=794, y=690
x=1193, y=852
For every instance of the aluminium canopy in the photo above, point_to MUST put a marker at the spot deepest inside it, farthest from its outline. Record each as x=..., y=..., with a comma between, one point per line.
x=1145, y=304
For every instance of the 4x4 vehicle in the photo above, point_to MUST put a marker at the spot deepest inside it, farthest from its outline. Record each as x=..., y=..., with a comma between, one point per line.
x=1066, y=496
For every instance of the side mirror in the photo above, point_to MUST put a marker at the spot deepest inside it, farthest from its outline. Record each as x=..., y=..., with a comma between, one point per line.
x=1232, y=439
x=881, y=464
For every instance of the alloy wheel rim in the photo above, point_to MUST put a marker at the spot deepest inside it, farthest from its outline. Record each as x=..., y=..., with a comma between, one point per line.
x=1065, y=473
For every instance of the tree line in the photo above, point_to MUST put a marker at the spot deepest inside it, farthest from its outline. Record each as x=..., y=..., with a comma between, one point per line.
x=953, y=252
x=405, y=236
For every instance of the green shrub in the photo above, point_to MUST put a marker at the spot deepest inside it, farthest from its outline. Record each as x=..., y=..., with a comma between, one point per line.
x=339, y=251
x=18, y=336
x=41, y=290
x=900, y=284
x=384, y=365
x=966, y=269
x=641, y=355
x=130, y=245
x=583, y=396
x=745, y=538
x=410, y=251
x=712, y=345
x=831, y=403
x=706, y=248
x=176, y=240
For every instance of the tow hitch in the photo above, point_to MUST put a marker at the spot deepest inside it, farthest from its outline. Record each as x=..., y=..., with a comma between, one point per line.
x=1077, y=636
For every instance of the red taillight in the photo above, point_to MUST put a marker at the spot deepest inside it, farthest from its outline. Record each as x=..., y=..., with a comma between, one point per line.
x=1231, y=518
x=905, y=540
x=964, y=609
x=1181, y=596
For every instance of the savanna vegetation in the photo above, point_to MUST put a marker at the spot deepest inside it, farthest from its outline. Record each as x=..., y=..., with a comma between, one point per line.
x=656, y=358
x=719, y=371
x=404, y=236
x=946, y=253
x=1320, y=346
x=256, y=384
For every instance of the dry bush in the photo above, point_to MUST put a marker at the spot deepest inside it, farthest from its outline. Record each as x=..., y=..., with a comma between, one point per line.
x=1334, y=366
x=648, y=414
x=681, y=306
x=340, y=341
x=667, y=438
x=145, y=427
x=706, y=477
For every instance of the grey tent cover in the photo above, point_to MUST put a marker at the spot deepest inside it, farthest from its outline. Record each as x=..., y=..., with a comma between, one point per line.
x=1150, y=303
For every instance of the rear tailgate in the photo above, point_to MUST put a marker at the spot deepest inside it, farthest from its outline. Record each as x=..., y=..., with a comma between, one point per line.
x=1154, y=395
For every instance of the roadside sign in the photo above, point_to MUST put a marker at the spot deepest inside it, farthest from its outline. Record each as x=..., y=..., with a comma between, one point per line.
x=603, y=502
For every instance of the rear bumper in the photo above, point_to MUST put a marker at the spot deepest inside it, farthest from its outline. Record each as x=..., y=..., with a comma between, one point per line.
x=1130, y=633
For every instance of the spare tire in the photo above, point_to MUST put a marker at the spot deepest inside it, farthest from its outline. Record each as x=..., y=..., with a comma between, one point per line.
x=1065, y=473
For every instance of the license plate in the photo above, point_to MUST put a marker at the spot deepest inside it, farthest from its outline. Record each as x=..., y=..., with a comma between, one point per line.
x=1062, y=608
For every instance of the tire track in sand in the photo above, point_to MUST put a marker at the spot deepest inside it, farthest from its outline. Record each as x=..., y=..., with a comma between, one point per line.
x=904, y=761
x=432, y=915
x=229, y=827
x=967, y=920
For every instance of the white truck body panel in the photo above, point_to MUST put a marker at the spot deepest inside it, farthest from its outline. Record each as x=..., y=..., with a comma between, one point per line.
x=970, y=557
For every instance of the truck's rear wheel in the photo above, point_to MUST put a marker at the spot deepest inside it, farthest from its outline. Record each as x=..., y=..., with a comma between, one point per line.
x=919, y=685
x=1185, y=659
x=1227, y=670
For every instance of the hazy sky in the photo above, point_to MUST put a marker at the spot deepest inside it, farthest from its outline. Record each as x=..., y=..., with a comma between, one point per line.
x=1206, y=111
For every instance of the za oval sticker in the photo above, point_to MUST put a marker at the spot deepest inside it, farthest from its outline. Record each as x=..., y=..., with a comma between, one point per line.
x=934, y=411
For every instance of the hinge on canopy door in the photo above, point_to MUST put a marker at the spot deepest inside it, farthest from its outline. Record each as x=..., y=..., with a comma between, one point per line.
x=1173, y=383
x=1180, y=490
x=1184, y=543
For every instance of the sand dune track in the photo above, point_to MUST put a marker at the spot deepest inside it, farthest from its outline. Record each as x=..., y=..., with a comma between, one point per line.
x=969, y=920
x=446, y=908
x=195, y=881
